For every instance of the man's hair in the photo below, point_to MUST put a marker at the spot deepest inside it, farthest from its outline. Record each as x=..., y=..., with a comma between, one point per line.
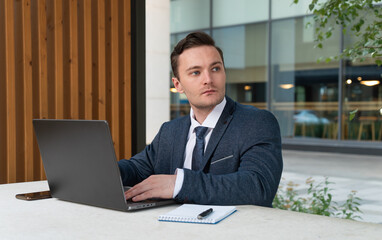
x=195, y=39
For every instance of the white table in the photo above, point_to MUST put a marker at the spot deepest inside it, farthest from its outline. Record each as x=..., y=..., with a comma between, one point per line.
x=56, y=219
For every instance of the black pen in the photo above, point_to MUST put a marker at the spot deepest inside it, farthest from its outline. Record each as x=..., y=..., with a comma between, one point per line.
x=205, y=213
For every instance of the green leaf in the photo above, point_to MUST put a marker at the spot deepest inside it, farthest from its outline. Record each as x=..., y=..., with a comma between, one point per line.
x=352, y=114
x=311, y=7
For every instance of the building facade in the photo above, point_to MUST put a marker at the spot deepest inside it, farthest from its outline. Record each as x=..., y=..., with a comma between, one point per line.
x=271, y=63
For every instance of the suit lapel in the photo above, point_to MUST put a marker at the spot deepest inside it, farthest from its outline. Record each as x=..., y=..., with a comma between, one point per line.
x=180, y=142
x=219, y=130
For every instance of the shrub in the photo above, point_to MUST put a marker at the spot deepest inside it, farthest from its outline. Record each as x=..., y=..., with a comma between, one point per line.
x=317, y=200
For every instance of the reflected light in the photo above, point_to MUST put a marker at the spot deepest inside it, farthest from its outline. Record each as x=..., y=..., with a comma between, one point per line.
x=247, y=88
x=359, y=78
x=349, y=81
x=370, y=83
x=380, y=111
x=286, y=86
x=173, y=90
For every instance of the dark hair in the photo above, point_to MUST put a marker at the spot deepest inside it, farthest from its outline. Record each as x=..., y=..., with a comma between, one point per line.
x=195, y=39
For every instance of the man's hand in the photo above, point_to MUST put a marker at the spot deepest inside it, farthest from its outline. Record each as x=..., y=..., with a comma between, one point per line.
x=155, y=186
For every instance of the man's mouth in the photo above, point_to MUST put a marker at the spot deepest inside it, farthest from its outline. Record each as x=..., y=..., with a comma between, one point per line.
x=209, y=91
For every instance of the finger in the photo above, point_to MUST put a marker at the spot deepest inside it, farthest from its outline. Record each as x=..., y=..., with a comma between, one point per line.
x=138, y=189
x=157, y=186
x=142, y=196
x=132, y=193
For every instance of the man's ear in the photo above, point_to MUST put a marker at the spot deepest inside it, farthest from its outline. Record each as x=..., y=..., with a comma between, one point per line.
x=177, y=85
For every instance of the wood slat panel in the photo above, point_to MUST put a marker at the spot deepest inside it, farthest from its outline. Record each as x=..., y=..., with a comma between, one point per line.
x=88, y=59
x=114, y=76
x=50, y=58
x=127, y=76
x=28, y=90
x=42, y=58
x=43, y=66
x=61, y=59
x=101, y=60
x=3, y=119
x=74, y=86
x=10, y=90
x=19, y=93
x=66, y=57
x=58, y=47
x=35, y=82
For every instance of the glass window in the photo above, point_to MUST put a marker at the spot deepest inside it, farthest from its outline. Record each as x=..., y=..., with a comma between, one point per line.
x=304, y=92
x=228, y=12
x=362, y=92
x=362, y=86
x=245, y=56
x=188, y=15
x=286, y=9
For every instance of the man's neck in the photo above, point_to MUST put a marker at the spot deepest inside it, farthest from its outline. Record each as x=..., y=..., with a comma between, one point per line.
x=202, y=114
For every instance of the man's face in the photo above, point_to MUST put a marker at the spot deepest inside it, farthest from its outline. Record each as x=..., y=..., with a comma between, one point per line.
x=201, y=77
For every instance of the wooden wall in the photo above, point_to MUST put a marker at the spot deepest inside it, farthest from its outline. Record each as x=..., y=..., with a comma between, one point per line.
x=61, y=59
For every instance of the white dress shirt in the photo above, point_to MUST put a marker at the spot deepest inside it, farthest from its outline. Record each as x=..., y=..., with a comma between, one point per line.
x=209, y=122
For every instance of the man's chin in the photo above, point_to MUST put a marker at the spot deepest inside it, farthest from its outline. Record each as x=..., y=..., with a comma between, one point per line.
x=210, y=102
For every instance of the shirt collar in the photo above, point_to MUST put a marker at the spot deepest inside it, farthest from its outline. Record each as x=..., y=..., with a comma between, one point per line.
x=212, y=118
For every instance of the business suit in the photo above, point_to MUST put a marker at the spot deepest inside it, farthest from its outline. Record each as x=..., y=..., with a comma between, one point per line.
x=242, y=163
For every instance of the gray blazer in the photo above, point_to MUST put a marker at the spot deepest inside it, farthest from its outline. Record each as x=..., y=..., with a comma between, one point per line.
x=242, y=162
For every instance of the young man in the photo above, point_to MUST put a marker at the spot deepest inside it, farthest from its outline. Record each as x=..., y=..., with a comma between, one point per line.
x=223, y=153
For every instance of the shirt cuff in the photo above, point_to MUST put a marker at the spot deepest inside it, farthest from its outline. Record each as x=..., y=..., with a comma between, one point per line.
x=178, y=182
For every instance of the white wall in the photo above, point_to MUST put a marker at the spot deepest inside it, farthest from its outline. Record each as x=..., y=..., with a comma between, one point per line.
x=157, y=65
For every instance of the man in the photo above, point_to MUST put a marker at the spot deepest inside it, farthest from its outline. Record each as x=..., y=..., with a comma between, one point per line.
x=236, y=160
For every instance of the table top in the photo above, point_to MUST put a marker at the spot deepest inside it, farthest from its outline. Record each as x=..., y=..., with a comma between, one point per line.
x=53, y=218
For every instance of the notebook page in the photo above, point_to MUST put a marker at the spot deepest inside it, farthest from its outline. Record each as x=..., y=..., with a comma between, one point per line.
x=189, y=213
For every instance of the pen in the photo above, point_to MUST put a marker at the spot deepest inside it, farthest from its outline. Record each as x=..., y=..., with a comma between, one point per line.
x=205, y=213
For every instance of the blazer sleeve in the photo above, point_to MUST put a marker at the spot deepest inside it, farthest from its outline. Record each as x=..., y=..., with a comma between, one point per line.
x=258, y=175
x=140, y=166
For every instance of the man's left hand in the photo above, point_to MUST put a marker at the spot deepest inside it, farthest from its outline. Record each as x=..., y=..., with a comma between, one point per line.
x=155, y=186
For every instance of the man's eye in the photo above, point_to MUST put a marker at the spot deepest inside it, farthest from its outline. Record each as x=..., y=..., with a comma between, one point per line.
x=215, y=69
x=195, y=73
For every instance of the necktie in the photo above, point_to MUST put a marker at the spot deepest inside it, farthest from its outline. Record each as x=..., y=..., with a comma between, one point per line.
x=198, y=153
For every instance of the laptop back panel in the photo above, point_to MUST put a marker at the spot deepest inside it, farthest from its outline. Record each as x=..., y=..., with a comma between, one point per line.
x=80, y=162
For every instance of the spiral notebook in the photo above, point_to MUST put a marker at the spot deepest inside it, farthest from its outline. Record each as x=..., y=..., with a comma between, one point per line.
x=188, y=213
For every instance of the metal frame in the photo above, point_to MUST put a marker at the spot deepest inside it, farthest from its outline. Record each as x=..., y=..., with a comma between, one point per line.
x=138, y=75
x=340, y=89
x=269, y=69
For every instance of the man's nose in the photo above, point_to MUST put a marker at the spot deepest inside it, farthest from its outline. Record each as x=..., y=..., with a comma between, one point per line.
x=207, y=78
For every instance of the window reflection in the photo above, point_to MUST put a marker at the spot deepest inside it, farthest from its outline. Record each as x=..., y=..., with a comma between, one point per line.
x=303, y=93
x=362, y=91
x=245, y=53
x=188, y=15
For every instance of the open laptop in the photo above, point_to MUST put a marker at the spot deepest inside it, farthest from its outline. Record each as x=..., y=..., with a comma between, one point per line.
x=81, y=166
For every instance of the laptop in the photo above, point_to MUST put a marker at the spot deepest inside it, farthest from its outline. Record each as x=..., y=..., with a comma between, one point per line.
x=81, y=166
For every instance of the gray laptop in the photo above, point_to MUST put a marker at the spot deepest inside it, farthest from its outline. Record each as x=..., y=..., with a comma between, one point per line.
x=81, y=166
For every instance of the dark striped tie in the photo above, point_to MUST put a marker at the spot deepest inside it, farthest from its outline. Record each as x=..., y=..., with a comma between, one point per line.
x=198, y=153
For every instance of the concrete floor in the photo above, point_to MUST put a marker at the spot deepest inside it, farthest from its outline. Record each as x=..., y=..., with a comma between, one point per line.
x=334, y=164
x=348, y=172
